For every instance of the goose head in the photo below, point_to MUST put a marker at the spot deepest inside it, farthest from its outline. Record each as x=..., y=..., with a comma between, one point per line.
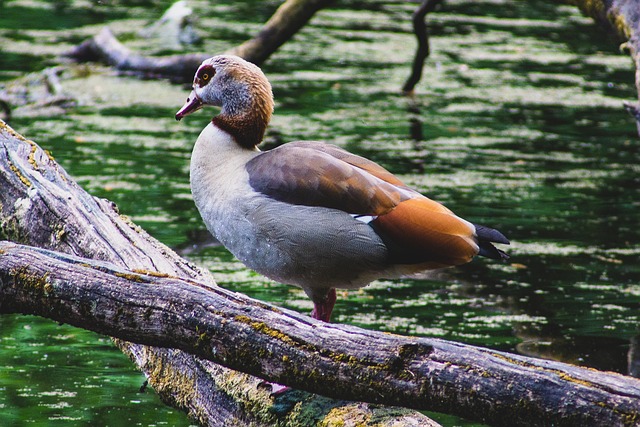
x=242, y=91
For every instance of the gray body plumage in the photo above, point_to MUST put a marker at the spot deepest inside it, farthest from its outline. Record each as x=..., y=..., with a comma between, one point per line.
x=299, y=245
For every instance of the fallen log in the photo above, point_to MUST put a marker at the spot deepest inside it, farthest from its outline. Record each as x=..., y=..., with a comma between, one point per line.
x=41, y=205
x=287, y=20
x=105, y=48
x=283, y=346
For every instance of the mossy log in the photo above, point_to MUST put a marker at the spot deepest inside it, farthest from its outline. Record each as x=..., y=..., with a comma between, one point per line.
x=41, y=206
x=173, y=303
x=284, y=346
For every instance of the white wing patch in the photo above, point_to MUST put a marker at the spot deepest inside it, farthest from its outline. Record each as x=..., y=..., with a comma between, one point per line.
x=364, y=218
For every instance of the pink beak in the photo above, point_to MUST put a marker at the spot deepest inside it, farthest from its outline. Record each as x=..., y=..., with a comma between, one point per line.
x=193, y=104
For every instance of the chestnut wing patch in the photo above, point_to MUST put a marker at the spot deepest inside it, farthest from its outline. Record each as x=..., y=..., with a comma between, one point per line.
x=421, y=230
x=298, y=173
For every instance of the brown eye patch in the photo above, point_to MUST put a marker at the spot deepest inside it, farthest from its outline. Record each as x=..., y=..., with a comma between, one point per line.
x=205, y=74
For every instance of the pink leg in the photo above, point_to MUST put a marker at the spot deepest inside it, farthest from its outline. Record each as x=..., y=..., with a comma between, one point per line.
x=322, y=310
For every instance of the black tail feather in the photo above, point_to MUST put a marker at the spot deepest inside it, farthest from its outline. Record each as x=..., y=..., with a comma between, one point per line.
x=487, y=236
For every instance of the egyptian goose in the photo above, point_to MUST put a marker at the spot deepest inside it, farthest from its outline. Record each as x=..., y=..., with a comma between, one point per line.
x=307, y=213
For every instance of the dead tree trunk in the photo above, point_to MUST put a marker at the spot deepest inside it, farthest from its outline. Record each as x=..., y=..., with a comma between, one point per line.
x=40, y=205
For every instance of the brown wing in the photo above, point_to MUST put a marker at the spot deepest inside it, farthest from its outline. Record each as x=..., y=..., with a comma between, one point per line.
x=415, y=229
x=301, y=174
x=360, y=162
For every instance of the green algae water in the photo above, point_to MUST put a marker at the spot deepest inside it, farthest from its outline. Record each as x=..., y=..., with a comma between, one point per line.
x=517, y=124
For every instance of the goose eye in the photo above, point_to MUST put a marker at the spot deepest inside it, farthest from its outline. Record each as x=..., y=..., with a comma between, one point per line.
x=205, y=74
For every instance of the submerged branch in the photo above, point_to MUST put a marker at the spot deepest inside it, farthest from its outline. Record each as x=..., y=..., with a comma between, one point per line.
x=288, y=19
x=422, y=50
x=620, y=19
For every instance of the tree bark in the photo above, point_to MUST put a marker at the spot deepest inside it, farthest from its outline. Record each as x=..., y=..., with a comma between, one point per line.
x=621, y=19
x=286, y=347
x=40, y=205
x=288, y=19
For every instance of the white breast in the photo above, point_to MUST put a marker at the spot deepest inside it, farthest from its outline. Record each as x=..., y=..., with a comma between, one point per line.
x=219, y=178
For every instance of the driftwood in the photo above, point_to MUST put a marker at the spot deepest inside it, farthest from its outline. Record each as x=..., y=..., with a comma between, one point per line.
x=40, y=205
x=285, y=22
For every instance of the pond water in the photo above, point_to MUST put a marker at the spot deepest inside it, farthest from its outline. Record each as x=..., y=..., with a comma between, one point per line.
x=517, y=124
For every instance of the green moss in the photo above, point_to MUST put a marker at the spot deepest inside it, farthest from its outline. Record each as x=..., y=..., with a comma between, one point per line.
x=622, y=26
x=267, y=330
x=153, y=273
x=598, y=8
x=47, y=287
x=174, y=386
x=17, y=172
x=632, y=419
x=50, y=156
x=339, y=416
x=32, y=155
x=203, y=340
x=8, y=129
x=35, y=283
x=59, y=232
x=131, y=277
